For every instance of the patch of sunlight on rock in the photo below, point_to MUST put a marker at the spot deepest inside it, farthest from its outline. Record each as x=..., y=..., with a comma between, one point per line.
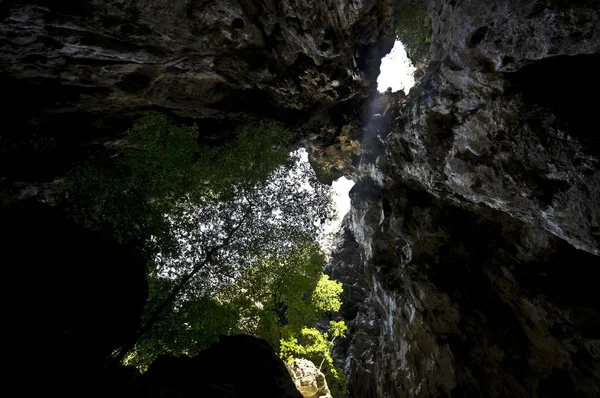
x=396, y=71
x=309, y=380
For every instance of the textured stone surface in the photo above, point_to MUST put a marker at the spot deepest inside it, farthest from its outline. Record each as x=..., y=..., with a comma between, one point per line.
x=504, y=119
x=470, y=257
x=188, y=56
x=477, y=226
x=75, y=73
x=309, y=380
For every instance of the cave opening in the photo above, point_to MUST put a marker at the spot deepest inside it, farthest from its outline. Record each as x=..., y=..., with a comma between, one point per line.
x=243, y=254
x=340, y=199
x=397, y=71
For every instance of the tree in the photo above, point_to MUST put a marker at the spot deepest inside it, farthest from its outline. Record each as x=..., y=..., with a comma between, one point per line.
x=278, y=297
x=127, y=195
x=281, y=299
x=243, y=215
x=276, y=291
x=251, y=198
x=185, y=329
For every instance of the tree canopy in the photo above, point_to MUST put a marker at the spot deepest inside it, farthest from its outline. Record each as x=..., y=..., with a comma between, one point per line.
x=230, y=231
x=280, y=298
x=128, y=195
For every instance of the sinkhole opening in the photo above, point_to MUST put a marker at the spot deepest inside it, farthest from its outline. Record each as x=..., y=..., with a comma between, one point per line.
x=397, y=71
x=341, y=202
x=340, y=197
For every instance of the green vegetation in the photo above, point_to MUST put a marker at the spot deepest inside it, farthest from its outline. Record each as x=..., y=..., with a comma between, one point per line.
x=194, y=325
x=413, y=28
x=279, y=298
x=230, y=232
x=316, y=346
x=129, y=196
x=159, y=167
x=337, y=157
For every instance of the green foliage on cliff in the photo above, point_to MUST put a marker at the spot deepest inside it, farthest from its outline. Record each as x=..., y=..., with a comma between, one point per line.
x=316, y=346
x=413, y=28
x=337, y=158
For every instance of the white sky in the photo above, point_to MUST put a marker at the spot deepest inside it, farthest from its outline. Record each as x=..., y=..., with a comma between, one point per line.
x=341, y=202
x=396, y=71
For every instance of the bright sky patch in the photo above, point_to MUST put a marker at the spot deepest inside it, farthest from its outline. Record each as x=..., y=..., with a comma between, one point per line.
x=396, y=71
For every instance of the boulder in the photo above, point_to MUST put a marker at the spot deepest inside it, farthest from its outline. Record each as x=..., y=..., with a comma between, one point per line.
x=309, y=380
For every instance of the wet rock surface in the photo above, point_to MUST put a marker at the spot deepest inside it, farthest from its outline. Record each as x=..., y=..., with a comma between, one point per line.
x=477, y=228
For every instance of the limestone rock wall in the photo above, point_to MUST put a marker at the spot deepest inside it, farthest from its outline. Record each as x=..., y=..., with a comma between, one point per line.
x=75, y=73
x=477, y=218
x=194, y=57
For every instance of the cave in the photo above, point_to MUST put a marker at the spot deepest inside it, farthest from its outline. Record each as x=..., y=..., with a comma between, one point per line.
x=465, y=264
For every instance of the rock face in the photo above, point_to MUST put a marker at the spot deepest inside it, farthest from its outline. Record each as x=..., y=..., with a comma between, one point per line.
x=477, y=226
x=77, y=72
x=309, y=380
x=193, y=57
x=470, y=256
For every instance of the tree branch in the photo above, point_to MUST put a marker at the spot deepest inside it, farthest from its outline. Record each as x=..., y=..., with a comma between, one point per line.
x=158, y=311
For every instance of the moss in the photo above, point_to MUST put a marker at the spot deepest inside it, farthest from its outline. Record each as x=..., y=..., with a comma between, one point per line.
x=413, y=28
x=337, y=158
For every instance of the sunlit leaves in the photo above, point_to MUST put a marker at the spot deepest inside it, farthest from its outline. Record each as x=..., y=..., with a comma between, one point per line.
x=316, y=346
x=211, y=216
x=326, y=296
x=283, y=297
